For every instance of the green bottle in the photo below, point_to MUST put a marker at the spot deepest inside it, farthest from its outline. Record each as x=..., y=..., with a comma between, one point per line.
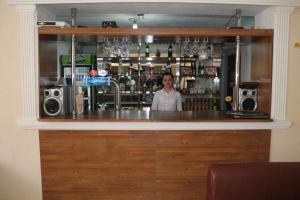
x=147, y=51
x=201, y=69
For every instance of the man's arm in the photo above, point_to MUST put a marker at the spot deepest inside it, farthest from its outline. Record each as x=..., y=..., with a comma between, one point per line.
x=154, y=105
x=179, y=102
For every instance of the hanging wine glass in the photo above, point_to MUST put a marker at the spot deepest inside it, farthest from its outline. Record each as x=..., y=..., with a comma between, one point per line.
x=124, y=47
x=194, y=47
x=116, y=47
x=107, y=47
x=186, y=47
x=203, y=54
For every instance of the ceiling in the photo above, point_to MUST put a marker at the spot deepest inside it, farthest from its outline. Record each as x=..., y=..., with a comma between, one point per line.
x=155, y=14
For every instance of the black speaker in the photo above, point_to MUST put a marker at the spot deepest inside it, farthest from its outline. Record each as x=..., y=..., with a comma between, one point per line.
x=57, y=101
x=248, y=97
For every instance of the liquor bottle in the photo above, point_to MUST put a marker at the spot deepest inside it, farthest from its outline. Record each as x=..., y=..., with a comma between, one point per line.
x=186, y=104
x=201, y=69
x=157, y=53
x=168, y=67
x=210, y=104
x=170, y=51
x=144, y=88
x=205, y=104
x=193, y=66
x=108, y=70
x=215, y=106
x=130, y=69
x=151, y=69
x=147, y=51
x=120, y=68
x=194, y=104
x=201, y=104
x=189, y=104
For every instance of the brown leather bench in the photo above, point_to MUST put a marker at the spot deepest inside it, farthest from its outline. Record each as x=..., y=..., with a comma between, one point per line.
x=254, y=181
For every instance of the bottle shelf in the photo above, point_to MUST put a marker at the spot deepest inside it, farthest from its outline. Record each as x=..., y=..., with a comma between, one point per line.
x=139, y=59
x=125, y=93
x=130, y=103
x=152, y=58
x=199, y=96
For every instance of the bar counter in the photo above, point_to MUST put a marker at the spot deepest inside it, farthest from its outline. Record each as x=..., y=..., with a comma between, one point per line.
x=153, y=120
x=144, y=155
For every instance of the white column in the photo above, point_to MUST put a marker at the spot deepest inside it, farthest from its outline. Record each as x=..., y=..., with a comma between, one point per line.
x=278, y=18
x=29, y=68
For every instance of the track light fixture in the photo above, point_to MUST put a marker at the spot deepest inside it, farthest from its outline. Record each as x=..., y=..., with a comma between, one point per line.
x=135, y=19
x=134, y=25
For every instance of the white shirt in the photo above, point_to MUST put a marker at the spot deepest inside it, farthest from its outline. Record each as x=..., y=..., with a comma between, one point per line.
x=167, y=101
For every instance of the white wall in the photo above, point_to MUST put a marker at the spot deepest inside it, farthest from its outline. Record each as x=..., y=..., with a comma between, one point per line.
x=19, y=150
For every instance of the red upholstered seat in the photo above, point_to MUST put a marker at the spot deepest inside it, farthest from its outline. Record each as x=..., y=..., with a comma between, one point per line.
x=254, y=181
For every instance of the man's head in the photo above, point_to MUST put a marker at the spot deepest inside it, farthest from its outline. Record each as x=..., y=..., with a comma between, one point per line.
x=168, y=74
x=167, y=80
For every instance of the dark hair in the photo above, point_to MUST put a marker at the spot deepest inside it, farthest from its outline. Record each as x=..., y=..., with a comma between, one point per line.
x=167, y=74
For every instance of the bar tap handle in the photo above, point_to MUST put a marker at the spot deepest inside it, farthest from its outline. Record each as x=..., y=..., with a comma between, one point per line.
x=117, y=94
x=237, y=76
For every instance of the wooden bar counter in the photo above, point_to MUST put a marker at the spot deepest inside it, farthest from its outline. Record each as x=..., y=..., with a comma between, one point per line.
x=142, y=164
x=136, y=155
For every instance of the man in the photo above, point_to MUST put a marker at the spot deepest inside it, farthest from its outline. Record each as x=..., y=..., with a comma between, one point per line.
x=167, y=99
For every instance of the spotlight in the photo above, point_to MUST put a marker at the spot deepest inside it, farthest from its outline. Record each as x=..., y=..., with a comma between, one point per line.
x=134, y=25
x=135, y=19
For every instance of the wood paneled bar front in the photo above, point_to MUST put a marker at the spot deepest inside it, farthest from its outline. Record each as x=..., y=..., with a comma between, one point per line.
x=143, y=165
x=169, y=162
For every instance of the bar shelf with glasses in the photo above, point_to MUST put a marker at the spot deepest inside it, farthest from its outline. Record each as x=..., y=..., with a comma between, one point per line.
x=200, y=60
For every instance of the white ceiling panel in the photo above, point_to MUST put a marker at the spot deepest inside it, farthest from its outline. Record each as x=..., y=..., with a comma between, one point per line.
x=155, y=14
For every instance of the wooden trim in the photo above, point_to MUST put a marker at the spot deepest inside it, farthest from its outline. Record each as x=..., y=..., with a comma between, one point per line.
x=156, y=31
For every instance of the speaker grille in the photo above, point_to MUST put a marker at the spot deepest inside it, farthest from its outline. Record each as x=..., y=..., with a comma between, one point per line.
x=56, y=101
x=52, y=106
x=247, y=99
x=248, y=104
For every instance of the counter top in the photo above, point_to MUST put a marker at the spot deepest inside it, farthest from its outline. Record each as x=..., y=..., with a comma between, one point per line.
x=151, y=116
x=139, y=120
